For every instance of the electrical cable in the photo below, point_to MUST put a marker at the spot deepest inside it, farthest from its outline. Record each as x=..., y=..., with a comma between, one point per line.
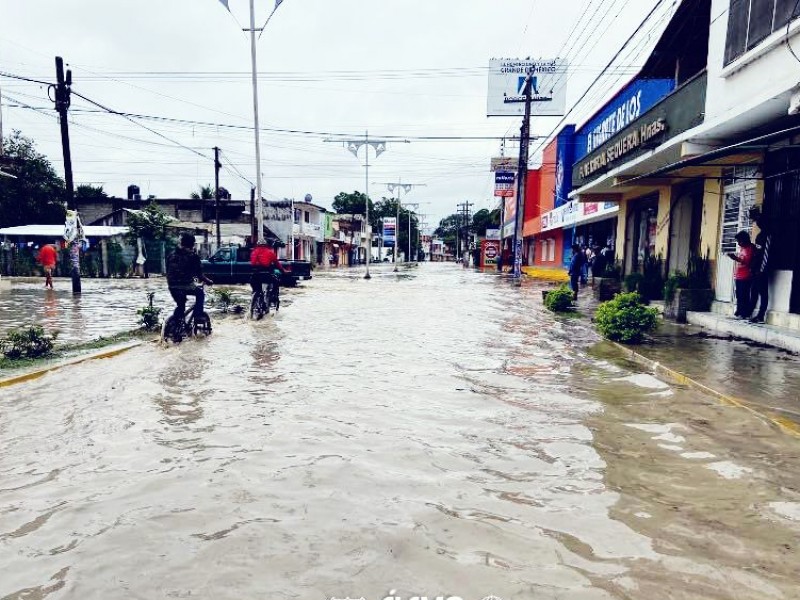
x=600, y=76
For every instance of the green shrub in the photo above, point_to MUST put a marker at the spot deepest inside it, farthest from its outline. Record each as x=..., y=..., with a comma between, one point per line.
x=633, y=282
x=149, y=315
x=226, y=299
x=674, y=281
x=652, y=286
x=559, y=299
x=625, y=318
x=29, y=342
x=698, y=271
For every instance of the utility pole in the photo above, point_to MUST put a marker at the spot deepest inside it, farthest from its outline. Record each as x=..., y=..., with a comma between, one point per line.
x=464, y=212
x=400, y=187
x=257, y=131
x=522, y=177
x=217, y=167
x=62, y=101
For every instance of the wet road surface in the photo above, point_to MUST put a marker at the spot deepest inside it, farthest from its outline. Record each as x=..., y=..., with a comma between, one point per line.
x=106, y=306
x=434, y=433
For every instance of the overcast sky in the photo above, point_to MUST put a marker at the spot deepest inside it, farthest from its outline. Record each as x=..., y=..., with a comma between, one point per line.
x=395, y=67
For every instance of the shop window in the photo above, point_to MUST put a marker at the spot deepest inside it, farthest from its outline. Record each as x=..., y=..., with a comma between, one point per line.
x=752, y=21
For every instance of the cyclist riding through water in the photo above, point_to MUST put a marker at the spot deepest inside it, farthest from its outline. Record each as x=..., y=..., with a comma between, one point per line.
x=183, y=268
x=264, y=260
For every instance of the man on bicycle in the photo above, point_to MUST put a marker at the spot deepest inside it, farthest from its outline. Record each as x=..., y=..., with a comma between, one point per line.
x=264, y=261
x=183, y=267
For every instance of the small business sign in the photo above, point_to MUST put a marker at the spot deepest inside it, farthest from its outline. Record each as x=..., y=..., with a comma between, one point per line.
x=503, y=163
x=504, y=184
x=507, y=87
x=574, y=213
x=492, y=234
x=491, y=250
x=614, y=152
x=389, y=230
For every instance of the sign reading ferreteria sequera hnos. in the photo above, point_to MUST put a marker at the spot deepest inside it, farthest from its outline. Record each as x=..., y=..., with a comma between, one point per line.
x=621, y=147
x=675, y=114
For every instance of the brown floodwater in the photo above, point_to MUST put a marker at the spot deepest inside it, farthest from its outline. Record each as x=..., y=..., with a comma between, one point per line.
x=433, y=433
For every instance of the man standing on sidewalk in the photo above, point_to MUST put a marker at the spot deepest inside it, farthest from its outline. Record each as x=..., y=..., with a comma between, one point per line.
x=761, y=266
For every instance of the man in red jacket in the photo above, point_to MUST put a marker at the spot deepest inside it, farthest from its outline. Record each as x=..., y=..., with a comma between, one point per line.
x=47, y=258
x=264, y=261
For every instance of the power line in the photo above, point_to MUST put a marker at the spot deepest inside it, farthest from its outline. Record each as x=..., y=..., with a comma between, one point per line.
x=600, y=76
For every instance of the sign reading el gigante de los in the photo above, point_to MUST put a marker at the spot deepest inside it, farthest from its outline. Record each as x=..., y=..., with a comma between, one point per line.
x=507, y=87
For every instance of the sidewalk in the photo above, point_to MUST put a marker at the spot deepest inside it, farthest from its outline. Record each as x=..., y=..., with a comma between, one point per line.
x=779, y=337
x=764, y=379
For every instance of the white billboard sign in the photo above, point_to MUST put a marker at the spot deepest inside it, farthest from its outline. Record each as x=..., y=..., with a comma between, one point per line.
x=507, y=87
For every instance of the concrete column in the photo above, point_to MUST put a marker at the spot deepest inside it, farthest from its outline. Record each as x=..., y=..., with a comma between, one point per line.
x=104, y=256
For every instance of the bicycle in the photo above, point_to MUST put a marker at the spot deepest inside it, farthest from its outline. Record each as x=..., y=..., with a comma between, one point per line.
x=259, y=306
x=187, y=327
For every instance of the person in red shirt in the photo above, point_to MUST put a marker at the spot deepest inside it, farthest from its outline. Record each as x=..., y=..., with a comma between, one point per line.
x=743, y=275
x=264, y=261
x=47, y=258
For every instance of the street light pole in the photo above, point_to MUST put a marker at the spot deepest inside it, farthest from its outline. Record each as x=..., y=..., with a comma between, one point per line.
x=353, y=147
x=400, y=187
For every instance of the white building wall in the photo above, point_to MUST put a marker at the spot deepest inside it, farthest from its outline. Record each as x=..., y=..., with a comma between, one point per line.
x=748, y=86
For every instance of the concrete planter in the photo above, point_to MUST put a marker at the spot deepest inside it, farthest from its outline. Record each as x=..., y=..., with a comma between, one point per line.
x=686, y=300
x=605, y=288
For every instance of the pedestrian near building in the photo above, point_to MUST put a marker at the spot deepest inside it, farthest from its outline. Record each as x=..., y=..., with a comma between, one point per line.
x=575, y=271
x=743, y=275
x=761, y=267
x=47, y=258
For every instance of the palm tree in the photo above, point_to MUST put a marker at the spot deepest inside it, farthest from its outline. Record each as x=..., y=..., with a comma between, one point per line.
x=206, y=193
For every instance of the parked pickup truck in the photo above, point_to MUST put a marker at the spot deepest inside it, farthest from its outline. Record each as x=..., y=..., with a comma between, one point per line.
x=231, y=264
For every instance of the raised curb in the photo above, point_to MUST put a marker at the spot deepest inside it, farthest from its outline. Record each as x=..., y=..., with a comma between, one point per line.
x=761, y=334
x=105, y=353
x=785, y=425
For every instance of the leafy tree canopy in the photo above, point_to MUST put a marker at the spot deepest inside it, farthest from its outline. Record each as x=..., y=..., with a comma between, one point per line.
x=354, y=204
x=150, y=224
x=485, y=219
x=90, y=192
x=36, y=196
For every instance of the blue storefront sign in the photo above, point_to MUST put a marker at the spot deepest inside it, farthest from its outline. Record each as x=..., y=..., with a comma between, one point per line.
x=565, y=158
x=629, y=104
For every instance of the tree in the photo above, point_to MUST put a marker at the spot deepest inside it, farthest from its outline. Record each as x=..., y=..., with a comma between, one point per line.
x=485, y=219
x=36, y=196
x=90, y=192
x=354, y=204
x=150, y=224
x=206, y=193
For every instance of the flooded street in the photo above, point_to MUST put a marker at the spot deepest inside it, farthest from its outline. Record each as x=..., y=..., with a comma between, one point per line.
x=106, y=306
x=436, y=433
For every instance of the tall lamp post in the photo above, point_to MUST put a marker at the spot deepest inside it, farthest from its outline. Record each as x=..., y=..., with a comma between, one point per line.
x=400, y=187
x=353, y=146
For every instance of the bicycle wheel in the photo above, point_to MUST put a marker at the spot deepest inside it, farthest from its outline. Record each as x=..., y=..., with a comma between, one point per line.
x=171, y=333
x=256, y=306
x=203, y=325
x=274, y=298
